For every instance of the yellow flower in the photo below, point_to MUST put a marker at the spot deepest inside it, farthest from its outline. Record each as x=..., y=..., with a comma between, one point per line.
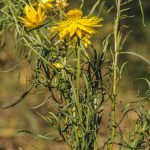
x=33, y=17
x=61, y=4
x=77, y=26
x=46, y=4
x=58, y=65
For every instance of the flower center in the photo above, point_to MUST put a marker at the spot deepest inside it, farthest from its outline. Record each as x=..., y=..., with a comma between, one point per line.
x=74, y=14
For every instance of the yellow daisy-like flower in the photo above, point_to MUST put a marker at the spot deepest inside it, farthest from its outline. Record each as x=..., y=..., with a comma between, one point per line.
x=46, y=4
x=77, y=26
x=61, y=4
x=33, y=17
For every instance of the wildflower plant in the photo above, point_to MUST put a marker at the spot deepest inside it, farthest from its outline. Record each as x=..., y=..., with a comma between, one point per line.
x=58, y=42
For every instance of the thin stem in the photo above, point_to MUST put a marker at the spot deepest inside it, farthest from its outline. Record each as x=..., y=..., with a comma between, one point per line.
x=78, y=84
x=95, y=124
x=116, y=49
x=78, y=75
x=79, y=107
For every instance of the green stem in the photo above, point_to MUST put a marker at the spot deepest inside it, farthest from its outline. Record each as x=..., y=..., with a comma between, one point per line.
x=78, y=76
x=78, y=105
x=115, y=61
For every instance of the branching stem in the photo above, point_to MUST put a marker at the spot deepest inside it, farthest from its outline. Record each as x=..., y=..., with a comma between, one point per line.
x=115, y=61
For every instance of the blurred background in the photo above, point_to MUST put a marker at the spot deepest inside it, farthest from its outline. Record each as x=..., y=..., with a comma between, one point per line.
x=15, y=72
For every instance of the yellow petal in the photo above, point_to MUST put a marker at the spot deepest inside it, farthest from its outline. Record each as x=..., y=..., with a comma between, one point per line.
x=79, y=33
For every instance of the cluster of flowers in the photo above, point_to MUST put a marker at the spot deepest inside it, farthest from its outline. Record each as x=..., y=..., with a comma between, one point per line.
x=74, y=26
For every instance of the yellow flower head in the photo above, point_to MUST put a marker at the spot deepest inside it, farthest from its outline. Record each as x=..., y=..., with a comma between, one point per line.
x=77, y=26
x=46, y=4
x=61, y=4
x=33, y=17
x=58, y=65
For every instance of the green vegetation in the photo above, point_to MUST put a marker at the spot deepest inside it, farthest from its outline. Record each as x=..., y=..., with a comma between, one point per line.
x=84, y=86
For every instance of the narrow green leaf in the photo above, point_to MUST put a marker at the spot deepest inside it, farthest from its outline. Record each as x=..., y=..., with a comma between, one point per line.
x=94, y=7
x=137, y=55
